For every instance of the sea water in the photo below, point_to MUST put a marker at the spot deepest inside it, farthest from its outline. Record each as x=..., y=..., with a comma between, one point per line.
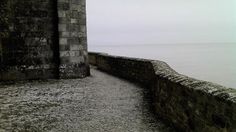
x=210, y=62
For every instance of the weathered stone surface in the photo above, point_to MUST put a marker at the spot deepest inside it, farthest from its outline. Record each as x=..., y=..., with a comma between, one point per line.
x=73, y=39
x=189, y=104
x=100, y=103
x=28, y=48
x=35, y=43
x=139, y=70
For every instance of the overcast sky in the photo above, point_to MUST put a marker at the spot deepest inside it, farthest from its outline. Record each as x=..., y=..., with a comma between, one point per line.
x=115, y=22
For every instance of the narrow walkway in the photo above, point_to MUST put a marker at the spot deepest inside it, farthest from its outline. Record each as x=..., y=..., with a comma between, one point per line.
x=95, y=104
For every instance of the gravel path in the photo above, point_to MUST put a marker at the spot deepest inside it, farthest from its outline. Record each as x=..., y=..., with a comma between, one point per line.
x=98, y=103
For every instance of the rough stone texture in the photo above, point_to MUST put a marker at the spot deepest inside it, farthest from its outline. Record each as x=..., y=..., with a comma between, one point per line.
x=189, y=104
x=27, y=39
x=42, y=39
x=192, y=104
x=95, y=104
x=138, y=70
x=72, y=39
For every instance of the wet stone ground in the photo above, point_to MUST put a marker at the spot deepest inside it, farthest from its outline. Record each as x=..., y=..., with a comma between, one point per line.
x=95, y=104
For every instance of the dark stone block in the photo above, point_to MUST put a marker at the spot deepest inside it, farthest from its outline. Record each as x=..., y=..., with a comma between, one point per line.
x=220, y=120
x=63, y=6
x=74, y=71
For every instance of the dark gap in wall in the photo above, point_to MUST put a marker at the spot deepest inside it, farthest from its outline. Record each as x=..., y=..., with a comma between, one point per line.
x=56, y=39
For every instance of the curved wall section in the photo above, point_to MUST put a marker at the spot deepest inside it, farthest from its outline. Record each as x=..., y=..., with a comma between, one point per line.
x=189, y=104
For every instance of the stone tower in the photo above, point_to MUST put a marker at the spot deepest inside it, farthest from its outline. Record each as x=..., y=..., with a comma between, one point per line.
x=42, y=39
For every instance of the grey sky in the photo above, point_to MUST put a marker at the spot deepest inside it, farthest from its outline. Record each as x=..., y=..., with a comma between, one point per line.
x=113, y=22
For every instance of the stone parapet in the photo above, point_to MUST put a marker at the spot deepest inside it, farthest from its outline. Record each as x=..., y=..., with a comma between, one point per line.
x=189, y=104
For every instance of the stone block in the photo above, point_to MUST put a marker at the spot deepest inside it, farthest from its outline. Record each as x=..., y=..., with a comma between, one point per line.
x=61, y=14
x=74, y=47
x=62, y=27
x=73, y=21
x=63, y=41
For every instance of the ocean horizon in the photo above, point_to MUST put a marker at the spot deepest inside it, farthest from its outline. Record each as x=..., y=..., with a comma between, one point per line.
x=214, y=62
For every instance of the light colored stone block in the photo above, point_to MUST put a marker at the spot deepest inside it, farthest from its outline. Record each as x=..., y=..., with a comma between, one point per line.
x=65, y=34
x=61, y=14
x=74, y=47
x=73, y=21
x=63, y=41
x=62, y=27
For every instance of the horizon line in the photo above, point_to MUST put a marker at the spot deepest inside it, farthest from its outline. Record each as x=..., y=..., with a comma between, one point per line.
x=165, y=44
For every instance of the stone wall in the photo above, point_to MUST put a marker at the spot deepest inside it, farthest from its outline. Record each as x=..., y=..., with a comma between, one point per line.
x=29, y=40
x=72, y=39
x=189, y=104
x=139, y=70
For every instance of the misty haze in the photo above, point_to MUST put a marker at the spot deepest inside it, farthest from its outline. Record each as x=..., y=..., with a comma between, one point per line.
x=117, y=65
x=195, y=37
